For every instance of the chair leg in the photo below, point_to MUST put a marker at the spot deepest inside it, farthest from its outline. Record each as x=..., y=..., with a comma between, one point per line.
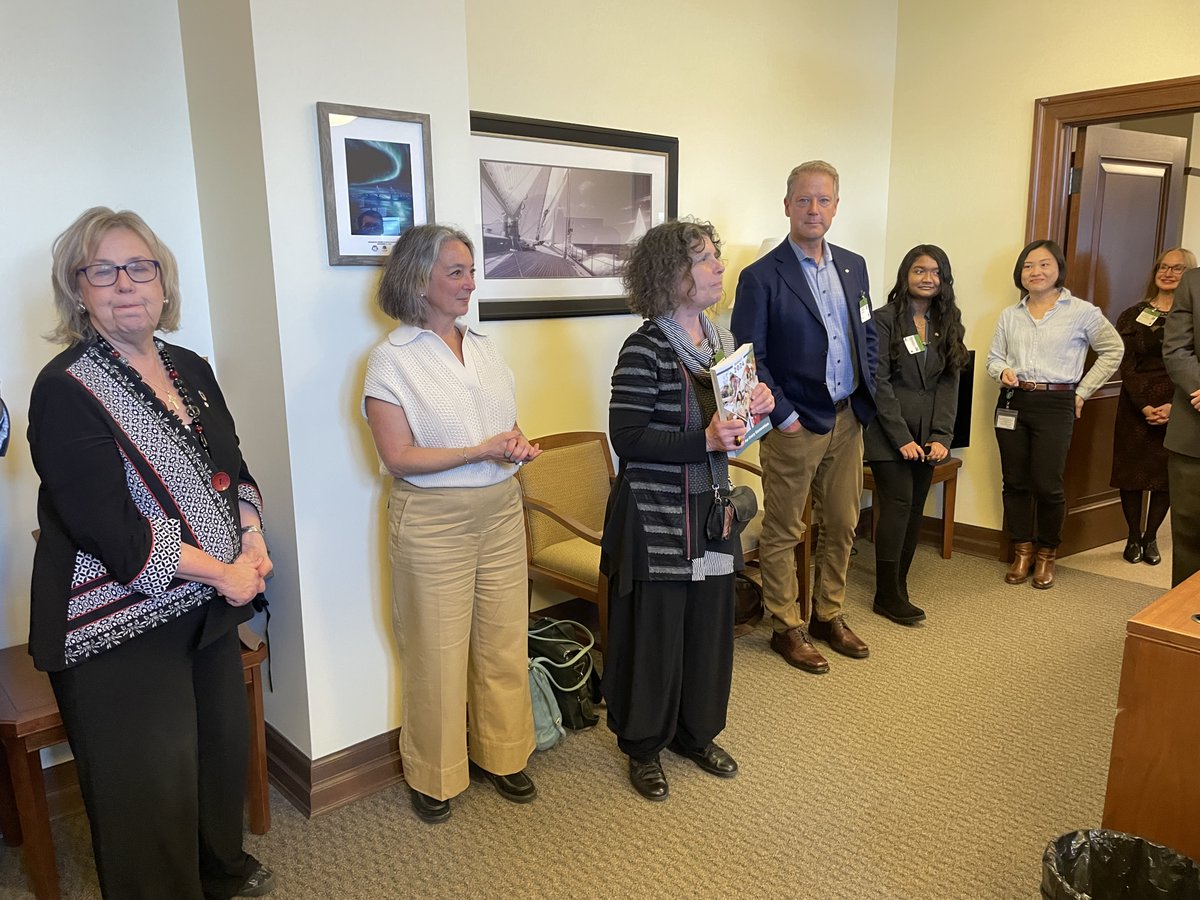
x=29, y=788
x=10, y=821
x=257, y=789
x=602, y=605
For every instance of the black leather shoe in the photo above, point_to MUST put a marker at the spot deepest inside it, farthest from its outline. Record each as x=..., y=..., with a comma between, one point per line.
x=647, y=778
x=711, y=759
x=1133, y=551
x=430, y=810
x=517, y=787
x=261, y=883
x=1150, y=554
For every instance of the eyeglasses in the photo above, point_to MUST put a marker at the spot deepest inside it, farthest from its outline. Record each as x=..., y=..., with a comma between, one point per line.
x=106, y=274
x=1174, y=270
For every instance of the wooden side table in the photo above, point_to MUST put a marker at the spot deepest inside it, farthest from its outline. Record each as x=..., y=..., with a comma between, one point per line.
x=1153, y=776
x=943, y=473
x=29, y=721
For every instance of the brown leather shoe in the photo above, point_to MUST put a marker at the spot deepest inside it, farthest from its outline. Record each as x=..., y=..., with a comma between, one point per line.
x=1018, y=572
x=837, y=634
x=795, y=647
x=1043, y=569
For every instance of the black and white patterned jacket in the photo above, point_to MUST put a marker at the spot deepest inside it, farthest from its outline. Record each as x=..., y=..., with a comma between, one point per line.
x=124, y=483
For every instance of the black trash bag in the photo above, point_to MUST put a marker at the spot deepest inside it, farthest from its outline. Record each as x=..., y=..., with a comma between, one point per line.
x=1107, y=865
x=568, y=662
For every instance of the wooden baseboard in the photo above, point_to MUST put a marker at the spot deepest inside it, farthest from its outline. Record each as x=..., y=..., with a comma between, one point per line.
x=318, y=786
x=988, y=543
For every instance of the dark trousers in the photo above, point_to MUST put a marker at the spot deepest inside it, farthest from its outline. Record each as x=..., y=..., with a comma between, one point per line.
x=160, y=735
x=1183, y=477
x=900, y=491
x=668, y=667
x=1032, y=459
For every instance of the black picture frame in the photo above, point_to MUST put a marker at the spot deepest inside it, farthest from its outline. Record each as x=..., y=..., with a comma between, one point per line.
x=604, y=296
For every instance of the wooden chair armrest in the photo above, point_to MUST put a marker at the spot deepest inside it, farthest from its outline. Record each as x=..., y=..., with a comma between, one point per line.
x=754, y=468
x=572, y=525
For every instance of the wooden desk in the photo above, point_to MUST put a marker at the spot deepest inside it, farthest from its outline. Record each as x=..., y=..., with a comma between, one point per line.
x=943, y=473
x=1154, y=770
x=29, y=721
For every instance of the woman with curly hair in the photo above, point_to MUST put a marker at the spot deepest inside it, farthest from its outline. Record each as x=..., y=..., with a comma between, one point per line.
x=921, y=354
x=669, y=661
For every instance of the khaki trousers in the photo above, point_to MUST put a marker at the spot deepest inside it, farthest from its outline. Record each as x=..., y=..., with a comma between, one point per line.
x=831, y=466
x=460, y=612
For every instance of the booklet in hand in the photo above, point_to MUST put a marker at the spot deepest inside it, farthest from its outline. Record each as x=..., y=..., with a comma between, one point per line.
x=733, y=379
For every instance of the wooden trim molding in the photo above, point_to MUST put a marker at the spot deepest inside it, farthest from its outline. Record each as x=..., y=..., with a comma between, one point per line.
x=1054, y=119
x=318, y=786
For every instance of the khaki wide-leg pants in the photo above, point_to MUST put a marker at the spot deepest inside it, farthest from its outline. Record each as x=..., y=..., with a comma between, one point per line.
x=831, y=465
x=460, y=612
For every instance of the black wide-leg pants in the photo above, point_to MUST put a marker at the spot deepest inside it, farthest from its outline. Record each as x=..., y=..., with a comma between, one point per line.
x=668, y=667
x=1033, y=457
x=160, y=735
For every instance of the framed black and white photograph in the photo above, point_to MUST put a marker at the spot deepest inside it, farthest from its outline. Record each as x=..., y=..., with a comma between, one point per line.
x=560, y=208
x=377, y=174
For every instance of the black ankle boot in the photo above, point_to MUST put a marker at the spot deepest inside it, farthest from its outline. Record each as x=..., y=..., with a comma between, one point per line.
x=888, y=601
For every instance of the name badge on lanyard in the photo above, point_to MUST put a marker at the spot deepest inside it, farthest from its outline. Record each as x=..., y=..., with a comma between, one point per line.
x=864, y=308
x=1149, y=316
x=1006, y=419
x=914, y=343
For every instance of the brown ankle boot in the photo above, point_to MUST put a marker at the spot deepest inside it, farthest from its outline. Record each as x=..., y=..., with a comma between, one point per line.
x=1022, y=560
x=1043, y=569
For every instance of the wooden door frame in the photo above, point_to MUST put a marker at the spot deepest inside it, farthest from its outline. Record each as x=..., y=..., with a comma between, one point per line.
x=1054, y=121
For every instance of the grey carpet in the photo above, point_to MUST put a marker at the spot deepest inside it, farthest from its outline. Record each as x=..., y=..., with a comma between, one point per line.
x=938, y=768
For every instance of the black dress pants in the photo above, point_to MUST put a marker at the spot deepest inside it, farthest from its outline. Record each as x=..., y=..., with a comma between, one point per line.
x=1032, y=459
x=668, y=667
x=160, y=735
x=901, y=487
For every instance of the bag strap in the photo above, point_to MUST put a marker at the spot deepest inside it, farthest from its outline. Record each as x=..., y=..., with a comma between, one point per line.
x=582, y=653
x=540, y=663
x=540, y=633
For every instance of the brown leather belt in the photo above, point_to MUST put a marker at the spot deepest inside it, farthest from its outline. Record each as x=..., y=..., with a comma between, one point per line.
x=1044, y=386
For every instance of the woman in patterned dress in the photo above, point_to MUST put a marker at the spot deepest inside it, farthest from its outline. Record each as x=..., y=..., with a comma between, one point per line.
x=1144, y=407
x=151, y=553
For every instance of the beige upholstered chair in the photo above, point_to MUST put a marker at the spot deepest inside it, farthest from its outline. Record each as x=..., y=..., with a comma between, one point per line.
x=565, y=493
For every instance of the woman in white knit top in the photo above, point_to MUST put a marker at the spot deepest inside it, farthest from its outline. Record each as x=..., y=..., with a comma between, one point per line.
x=441, y=405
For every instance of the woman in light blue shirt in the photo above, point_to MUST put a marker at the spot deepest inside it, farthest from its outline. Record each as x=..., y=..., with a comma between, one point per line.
x=1037, y=355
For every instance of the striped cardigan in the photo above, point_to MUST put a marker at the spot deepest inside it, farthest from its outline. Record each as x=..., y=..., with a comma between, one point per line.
x=657, y=429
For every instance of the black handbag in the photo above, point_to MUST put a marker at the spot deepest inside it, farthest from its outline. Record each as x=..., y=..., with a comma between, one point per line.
x=732, y=509
x=567, y=660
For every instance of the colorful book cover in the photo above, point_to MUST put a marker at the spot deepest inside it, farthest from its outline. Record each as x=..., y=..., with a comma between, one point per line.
x=734, y=378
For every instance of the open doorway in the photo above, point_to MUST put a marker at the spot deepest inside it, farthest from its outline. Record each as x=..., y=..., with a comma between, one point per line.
x=1123, y=128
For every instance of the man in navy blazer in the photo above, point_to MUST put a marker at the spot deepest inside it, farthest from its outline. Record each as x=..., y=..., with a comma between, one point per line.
x=806, y=308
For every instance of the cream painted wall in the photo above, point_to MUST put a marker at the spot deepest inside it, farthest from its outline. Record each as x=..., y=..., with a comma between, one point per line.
x=967, y=76
x=307, y=51
x=83, y=126
x=737, y=86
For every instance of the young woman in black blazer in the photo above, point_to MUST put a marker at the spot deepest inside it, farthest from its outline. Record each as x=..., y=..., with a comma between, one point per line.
x=921, y=354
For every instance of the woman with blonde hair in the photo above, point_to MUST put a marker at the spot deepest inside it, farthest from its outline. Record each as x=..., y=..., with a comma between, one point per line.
x=1144, y=408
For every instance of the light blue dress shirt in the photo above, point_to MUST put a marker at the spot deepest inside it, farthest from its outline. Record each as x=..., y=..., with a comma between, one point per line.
x=826, y=288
